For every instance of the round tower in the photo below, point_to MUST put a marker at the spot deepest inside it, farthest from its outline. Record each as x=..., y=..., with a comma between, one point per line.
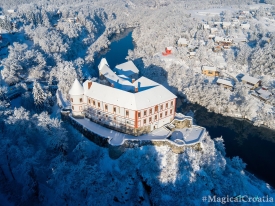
x=77, y=99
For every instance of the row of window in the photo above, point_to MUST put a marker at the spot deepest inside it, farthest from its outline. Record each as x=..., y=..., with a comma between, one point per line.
x=156, y=116
x=150, y=111
x=80, y=100
x=156, y=109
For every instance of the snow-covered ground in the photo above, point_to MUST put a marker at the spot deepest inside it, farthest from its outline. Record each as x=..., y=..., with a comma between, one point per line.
x=188, y=136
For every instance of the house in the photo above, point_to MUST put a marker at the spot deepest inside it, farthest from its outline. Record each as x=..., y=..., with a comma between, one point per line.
x=263, y=94
x=251, y=81
x=148, y=107
x=214, y=30
x=127, y=69
x=206, y=26
x=241, y=17
x=225, y=83
x=10, y=11
x=224, y=41
x=210, y=71
x=183, y=42
x=192, y=54
x=226, y=24
x=245, y=26
x=235, y=21
x=217, y=48
x=217, y=23
x=168, y=51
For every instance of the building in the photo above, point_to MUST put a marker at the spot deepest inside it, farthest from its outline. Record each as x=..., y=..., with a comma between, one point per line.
x=206, y=26
x=224, y=41
x=168, y=51
x=245, y=26
x=148, y=107
x=251, y=81
x=226, y=24
x=263, y=94
x=183, y=42
x=127, y=70
x=214, y=30
x=225, y=83
x=210, y=71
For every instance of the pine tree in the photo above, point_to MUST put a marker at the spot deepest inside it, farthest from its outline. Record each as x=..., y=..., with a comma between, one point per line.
x=39, y=96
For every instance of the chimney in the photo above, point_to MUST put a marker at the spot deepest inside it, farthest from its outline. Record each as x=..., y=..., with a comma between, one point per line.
x=136, y=89
x=133, y=80
x=89, y=85
x=112, y=84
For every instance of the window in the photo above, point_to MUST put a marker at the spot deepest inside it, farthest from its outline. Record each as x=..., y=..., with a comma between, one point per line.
x=138, y=114
x=156, y=117
x=144, y=121
x=114, y=109
x=98, y=113
x=106, y=116
x=80, y=108
x=114, y=118
x=150, y=111
x=98, y=104
x=72, y=107
x=150, y=119
x=160, y=115
x=166, y=105
x=172, y=104
x=89, y=101
x=72, y=100
x=127, y=113
x=161, y=107
x=80, y=99
x=106, y=107
x=94, y=103
x=145, y=113
x=171, y=111
x=156, y=108
x=165, y=113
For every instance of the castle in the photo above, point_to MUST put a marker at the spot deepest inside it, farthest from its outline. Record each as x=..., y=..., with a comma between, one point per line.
x=121, y=102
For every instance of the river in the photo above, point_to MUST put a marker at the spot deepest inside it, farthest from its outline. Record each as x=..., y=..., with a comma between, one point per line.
x=255, y=145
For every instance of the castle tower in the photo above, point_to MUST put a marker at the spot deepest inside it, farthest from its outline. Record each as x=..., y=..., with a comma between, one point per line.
x=77, y=99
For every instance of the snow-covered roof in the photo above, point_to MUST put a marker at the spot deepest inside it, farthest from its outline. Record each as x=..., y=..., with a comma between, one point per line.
x=117, y=81
x=245, y=26
x=76, y=88
x=208, y=68
x=223, y=39
x=183, y=41
x=2, y=17
x=250, y=79
x=144, y=83
x=225, y=82
x=169, y=47
x=265, y=94
x=127, y=68
x=134, y=101
x=226, y=23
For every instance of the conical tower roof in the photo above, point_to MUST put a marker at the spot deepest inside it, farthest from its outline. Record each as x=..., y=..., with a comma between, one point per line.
x=76, y=88
x=102, y=63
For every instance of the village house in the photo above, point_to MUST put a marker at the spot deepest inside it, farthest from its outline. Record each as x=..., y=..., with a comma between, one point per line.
x=217, y=48
x=263, y=94
x=214, y=30
x=226, y=24
x=251, y=81
x=241, y=17
x=168, y=51
x=225, y=42
x=245, y=26
x=147, y=107
x=225, y=83
x=211, y=36
x=206, y=26
x=183, y=42
x=210, y=71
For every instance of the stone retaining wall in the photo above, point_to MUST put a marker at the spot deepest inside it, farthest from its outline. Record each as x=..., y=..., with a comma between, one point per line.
x=116, y=151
